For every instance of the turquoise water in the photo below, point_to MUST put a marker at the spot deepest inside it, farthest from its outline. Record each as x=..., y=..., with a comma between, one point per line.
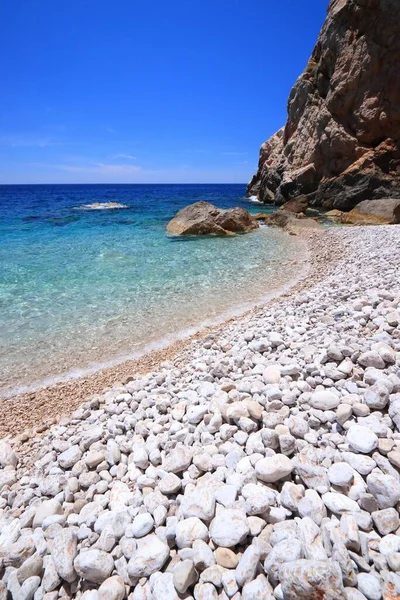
x=81, y=287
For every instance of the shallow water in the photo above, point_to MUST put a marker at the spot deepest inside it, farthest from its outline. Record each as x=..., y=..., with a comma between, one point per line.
x=80, y=287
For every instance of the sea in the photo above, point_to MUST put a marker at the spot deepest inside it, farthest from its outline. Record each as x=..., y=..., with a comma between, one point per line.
x=82, y=288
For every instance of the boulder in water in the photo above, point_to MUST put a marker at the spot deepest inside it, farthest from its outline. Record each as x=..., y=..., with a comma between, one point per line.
x=203, y=218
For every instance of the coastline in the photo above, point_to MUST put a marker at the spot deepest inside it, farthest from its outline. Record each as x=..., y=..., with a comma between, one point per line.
x=284, y=420
x=32, y=412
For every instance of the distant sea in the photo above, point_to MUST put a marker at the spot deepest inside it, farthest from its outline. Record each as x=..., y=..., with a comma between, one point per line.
x=82, y=288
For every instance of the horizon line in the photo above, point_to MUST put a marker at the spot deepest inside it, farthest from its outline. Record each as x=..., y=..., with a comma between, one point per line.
x=128, y=183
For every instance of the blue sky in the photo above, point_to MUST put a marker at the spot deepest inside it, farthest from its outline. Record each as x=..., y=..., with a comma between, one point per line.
x=101, y=91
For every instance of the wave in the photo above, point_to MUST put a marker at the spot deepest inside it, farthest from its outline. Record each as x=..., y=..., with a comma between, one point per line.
x=254, y=199
x=101, y=206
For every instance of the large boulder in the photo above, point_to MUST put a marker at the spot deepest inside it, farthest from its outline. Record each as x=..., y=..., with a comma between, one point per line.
x=374, y=212
x=341, y=141
x=203, y=218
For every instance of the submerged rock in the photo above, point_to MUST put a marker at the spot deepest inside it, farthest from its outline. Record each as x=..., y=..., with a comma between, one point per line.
x=340, y=144
x=203, y=218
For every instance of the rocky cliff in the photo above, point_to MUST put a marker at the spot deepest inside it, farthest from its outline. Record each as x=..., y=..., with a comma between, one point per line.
x=341, y=141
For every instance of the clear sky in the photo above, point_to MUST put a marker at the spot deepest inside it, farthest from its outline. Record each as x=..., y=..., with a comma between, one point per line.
x=107, y=91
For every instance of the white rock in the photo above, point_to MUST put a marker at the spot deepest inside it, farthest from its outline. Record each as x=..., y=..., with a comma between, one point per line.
x=258, y=589
x=184, y=576
x=112, y=588
x=189, y=530
x=7, y=455
x=46, y=509
x=170, y=484
x=385, y=488
x=63, y=552
x=341, y=474
x=163, y=587
x=149, y=557
x=339, y=503
x=120, y=495
x=94, y=565
x=198, y=503
x=67, y=459
x=247, y=567
x=324, y=400
x=178, y=460
x=229, y=528
x=361, y=439
x=142, y=525
x=273, y=468
x=370, y=586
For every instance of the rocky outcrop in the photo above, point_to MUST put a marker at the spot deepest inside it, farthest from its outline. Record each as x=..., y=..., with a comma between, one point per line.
x=203, y=218
x=341, y=141
x=374, y=212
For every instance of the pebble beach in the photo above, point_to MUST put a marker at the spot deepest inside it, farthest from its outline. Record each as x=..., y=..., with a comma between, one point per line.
x=258, y=460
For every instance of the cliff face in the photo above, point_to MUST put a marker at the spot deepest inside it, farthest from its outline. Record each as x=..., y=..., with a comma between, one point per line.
x=341, y=141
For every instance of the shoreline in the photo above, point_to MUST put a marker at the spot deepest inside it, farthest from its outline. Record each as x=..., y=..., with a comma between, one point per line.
x=266, y=447
x=21, y=413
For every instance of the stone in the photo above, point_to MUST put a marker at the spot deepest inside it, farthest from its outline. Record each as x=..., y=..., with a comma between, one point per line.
x=142, y=525
x=178, y=460
x=32, y=567
x=273, y=468
x=386, y=520
x=184, y=576
x=324, y=400
x=170, y=484
x=389, y=543
x=94, y=565
x=229, y=527
x=374, y=212
x=63, y=553
x=7, y=455
x=385, y=488
x=306, y=579
x=341, y=474
x=203, y=218
x=120, y=495
x=150, y=556
x=258, y=589
x=189, y=530
x=162, y=587
x=247, y=567
x=199, y=503
x=69, y=457
x=46, y=509
x=203, y=556
x=112, y=588
x=361, y=439
x=339, y=503
x=369, y=585
x=226, y=558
